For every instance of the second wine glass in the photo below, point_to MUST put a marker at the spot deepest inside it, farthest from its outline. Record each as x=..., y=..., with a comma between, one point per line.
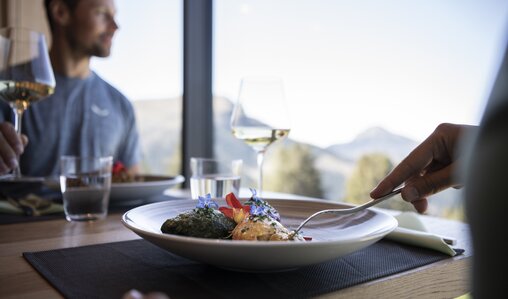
x=260, y=116
x=26, y=75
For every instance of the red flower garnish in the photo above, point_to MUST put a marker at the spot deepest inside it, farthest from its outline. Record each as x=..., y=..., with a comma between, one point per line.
x=237, y=211
x=118, y=167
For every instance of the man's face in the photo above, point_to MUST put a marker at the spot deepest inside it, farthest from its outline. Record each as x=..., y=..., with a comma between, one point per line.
x=92, y=26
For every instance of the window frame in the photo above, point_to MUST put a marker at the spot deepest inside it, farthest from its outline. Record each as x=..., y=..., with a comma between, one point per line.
x=197, y=126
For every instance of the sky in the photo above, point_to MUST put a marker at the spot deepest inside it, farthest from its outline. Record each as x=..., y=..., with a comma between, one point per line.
x=346, y=65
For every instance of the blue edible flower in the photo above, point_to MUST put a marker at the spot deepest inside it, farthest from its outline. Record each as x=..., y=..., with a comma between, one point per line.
x=274, y=214
x=256, y=210
x=206, y=201
x=260, y=207
x=255, y=197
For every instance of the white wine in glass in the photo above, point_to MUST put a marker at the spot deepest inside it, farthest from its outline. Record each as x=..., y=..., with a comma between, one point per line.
x=26, y=75
x=260, y=116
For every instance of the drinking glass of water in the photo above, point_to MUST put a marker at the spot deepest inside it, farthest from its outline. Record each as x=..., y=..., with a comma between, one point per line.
x=85, y=183
x=214, y=177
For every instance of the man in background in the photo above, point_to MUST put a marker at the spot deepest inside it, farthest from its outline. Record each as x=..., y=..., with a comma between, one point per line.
x=85, y=116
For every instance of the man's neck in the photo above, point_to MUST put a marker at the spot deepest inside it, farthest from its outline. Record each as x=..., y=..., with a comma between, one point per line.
x=68, y=63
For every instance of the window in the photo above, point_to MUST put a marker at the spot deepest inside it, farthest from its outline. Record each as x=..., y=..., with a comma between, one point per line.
x=146, y=65
x=365, y=81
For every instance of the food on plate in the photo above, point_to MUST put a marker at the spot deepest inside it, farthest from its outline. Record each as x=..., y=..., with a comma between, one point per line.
x=262, y=223
x=205, y=221
x=256, y=220
x=121, y=175
x=262, y=229
x=30, y=205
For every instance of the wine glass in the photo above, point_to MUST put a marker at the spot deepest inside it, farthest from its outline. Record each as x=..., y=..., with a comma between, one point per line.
x=26, y=75
x=260, y=116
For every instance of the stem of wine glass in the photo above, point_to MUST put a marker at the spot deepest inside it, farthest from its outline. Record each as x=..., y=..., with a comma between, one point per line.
x=18, y=117
x=260, y=158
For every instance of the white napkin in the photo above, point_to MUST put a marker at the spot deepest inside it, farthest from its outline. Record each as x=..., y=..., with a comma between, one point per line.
x=412, y=231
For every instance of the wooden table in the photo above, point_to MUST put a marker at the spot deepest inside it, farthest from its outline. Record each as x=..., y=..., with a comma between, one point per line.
x=445, y=279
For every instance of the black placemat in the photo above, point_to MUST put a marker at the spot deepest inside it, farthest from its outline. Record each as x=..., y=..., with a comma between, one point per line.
x=110, y=270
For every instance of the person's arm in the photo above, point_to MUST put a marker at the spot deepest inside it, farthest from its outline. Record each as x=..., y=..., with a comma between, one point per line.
x=11, y=146
x=428, y=169
x=134, y=169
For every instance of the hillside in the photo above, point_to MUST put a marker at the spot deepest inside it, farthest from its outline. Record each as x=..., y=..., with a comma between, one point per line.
x=159, y=123
x=375, y=139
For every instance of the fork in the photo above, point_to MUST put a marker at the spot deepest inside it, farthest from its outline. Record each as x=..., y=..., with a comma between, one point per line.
x=349, y=210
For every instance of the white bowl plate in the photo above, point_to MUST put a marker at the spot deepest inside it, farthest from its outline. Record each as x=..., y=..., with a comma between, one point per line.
x=151, y=185
x=332, y=236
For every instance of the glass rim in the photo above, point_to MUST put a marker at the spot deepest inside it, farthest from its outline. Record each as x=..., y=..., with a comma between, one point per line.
x=215, y=160
x=89, y=158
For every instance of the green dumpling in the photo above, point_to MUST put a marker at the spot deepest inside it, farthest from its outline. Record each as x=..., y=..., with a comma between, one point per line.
x=201, y=223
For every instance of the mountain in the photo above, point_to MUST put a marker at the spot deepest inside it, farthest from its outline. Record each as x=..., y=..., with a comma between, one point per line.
x=333, y=170
x=159, y=124
x=377, y=140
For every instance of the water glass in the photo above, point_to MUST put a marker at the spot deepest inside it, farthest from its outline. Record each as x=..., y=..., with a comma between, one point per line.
x=85, y=183
x=214, y=177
